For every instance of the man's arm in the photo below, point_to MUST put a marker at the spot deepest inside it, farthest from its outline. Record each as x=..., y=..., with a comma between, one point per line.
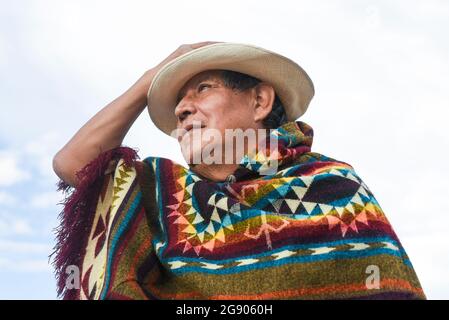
x=107, y=129
x=104, y=131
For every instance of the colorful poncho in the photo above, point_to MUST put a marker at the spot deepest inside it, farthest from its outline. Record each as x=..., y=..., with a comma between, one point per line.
x=153, y=229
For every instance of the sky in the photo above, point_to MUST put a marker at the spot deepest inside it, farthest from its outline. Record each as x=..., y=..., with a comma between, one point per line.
x=381, y=75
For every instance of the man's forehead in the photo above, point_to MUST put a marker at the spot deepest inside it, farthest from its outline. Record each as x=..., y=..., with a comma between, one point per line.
x=202, y=76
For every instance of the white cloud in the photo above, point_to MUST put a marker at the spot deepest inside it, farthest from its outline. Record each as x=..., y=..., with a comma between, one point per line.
x=25, y=266
x=10, y=170
x=42, y=149
x=32, y=160
x=28, y=247
x=24, y=256
x=7, y=198
x=13, y=226
x=427, y=254
x=46, y=199
x=3, y=52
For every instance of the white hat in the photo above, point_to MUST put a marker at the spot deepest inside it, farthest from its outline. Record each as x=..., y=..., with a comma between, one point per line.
x=290, y=82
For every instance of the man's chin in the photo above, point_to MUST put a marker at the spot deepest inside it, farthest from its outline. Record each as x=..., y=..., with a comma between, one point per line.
x=192, y=159
x=196, y=156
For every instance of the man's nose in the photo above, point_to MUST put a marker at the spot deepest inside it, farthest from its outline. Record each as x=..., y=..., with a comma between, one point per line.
x=184, y=108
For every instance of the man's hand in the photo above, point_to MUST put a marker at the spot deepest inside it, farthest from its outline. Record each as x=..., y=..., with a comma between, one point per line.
x=180, y=51
x=148, y=76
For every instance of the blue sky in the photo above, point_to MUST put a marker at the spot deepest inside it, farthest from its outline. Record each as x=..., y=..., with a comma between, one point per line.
x=380, y=70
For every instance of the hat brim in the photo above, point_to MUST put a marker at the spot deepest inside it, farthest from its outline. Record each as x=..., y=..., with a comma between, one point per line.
x=290, y=82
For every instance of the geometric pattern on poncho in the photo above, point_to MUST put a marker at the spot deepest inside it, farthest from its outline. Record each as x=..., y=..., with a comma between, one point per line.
x=288, y=198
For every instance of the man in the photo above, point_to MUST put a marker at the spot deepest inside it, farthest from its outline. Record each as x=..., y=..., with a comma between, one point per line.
x=257, y=215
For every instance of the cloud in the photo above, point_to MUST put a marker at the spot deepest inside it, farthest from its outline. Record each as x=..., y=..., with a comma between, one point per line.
x=24, y=256
x=14, y=226
x=33, y=160
x=10, y=170
x=46, y=199
x=7, y=198
x=28, y=247
x=426, y=254
x=42, y=149
x=3, y=52
x=26, y=265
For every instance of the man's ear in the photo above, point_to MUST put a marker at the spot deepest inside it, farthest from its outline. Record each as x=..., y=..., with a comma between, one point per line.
x=264, y=101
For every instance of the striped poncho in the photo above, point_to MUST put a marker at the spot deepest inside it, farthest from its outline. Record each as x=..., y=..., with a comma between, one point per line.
x=154, y=229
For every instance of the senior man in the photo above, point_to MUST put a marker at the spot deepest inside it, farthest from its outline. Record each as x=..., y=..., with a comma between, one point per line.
x=256, y=215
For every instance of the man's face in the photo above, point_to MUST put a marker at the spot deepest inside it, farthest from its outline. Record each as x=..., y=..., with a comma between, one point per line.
x=205, y=99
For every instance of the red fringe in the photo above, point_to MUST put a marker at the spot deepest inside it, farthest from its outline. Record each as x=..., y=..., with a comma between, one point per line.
x=77, y=215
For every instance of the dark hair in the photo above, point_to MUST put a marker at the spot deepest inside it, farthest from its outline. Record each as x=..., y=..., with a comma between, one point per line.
x=240, y=81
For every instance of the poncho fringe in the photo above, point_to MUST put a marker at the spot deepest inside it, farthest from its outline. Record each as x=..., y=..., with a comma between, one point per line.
x=78, y=213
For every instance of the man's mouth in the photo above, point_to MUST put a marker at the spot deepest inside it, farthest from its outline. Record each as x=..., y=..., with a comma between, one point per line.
x=189, y=128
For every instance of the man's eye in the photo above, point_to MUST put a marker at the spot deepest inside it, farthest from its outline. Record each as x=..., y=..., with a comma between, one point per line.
x=203, y=86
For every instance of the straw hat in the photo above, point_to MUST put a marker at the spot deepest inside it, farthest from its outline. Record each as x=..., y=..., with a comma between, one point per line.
x=290, y=82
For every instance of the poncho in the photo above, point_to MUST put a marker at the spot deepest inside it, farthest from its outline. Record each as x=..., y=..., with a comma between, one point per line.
x=154, y=229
